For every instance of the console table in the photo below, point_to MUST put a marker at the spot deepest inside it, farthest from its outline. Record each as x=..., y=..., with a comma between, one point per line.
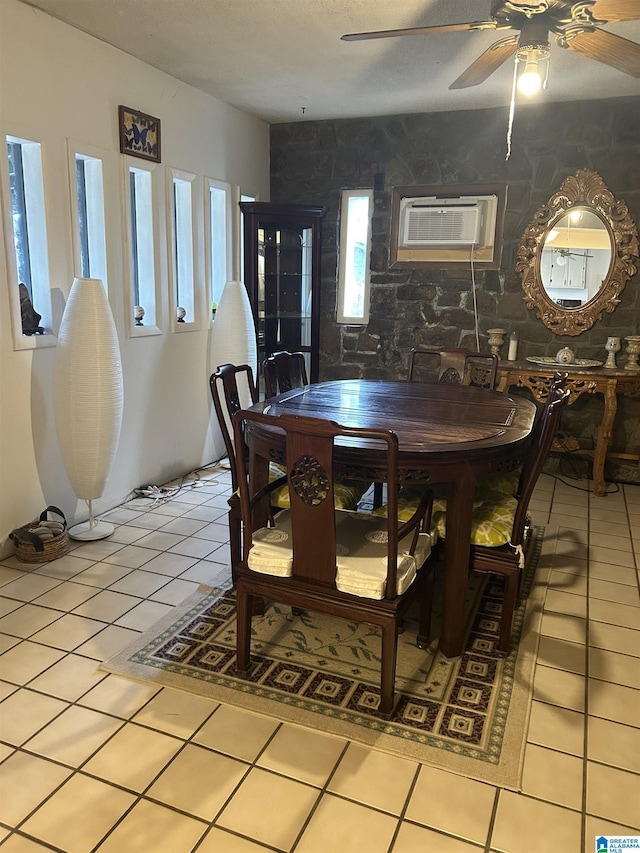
x=582, y=380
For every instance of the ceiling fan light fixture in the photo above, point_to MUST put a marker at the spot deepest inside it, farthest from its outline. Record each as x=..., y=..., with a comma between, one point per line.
x=530, y=81
x=534, y=76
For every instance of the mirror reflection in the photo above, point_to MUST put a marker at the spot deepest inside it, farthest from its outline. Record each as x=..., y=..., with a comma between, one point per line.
x=576, y=254
x=576, y=257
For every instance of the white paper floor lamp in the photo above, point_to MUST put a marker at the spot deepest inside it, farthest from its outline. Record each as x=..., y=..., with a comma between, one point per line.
x=88, y=393
x=234, y=332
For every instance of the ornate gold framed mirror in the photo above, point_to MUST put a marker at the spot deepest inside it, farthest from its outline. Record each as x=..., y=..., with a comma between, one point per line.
x=576, y=254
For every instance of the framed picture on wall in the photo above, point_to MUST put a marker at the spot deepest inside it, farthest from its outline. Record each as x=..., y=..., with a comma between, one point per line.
x=139, y=134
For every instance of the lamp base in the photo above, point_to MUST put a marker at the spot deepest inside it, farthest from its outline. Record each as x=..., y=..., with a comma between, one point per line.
x=87, y=532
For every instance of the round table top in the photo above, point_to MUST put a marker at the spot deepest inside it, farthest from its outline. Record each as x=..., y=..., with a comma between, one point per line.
x=438, y=421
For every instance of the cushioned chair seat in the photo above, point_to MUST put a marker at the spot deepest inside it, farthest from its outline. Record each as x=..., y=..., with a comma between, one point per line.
x=361, y=553
x=491, y=523
x=487, y=490
x=280, y=496
x=346, y=493
x=409, y=498
x=493, y=513
x=506, y=484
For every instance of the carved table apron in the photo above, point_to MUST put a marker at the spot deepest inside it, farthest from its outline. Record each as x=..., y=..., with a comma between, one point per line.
x=582, y=380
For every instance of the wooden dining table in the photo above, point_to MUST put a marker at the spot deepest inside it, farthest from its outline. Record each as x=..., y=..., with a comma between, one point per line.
x=447, y=434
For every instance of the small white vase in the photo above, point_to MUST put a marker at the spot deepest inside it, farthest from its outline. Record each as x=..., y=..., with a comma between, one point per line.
x=612, y=346
x=565, y=356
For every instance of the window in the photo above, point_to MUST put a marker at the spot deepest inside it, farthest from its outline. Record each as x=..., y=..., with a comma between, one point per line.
x=243, y=197
x=142, y=248
x=355, y=246
x=25, y=222
x=182, y=246
x=89, y=215
x=219, y=238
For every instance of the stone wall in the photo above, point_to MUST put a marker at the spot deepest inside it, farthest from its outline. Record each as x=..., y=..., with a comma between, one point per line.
x=311, y=162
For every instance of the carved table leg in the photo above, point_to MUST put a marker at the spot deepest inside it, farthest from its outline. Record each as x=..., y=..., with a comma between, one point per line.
x=504, y=382
x=456, y=560
x=604, y=436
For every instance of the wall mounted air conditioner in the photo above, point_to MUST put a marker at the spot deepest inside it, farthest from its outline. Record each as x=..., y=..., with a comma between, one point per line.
x=447, y=221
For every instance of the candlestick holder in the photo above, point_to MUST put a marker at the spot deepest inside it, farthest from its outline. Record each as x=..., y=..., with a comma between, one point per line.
x=633, y=351
x=496, y=340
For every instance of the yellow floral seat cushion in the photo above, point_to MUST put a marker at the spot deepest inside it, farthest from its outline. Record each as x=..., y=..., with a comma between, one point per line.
x=493, y=512
x=361, y=560
x=409, y=498
x=505, y=484
x=347, y=493
x=491, y=523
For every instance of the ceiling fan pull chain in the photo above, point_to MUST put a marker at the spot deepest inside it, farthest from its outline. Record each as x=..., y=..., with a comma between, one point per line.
x=512, y=107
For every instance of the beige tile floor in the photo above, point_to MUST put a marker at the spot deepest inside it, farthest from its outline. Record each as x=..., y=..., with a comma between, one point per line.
x=93, y=762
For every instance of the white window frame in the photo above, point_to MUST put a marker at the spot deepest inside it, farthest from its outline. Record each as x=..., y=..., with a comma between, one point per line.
x=34, y=153
x=219, y=240
x=183, y=262
x=346, y=256
x=241, y=196
x=97, y=183
x=149, y=206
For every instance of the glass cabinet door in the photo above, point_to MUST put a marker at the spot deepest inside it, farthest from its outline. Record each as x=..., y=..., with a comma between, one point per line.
x=282, y=275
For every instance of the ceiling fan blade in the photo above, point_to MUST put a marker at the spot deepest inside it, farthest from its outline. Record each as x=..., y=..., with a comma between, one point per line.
x=421, y=31
x=606, y=47
x=487, y=63
x=616, y=10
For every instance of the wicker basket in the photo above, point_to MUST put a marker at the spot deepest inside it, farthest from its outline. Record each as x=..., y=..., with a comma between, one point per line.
x=31, y=548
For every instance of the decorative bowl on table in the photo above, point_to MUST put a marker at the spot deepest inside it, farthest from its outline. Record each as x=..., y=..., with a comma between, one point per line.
x=548, y=361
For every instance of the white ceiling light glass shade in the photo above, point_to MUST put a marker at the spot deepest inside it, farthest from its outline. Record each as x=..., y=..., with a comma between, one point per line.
x=535, y=59
x=234, y=333
x=88, y=396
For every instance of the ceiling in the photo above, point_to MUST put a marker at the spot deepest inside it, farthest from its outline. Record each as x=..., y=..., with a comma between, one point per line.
x=283, y=60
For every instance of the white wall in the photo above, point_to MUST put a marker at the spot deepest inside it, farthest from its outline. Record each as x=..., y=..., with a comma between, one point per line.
x=57, y=83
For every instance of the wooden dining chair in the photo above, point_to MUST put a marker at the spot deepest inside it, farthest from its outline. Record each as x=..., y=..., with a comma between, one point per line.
x=226, y=401
x=225, y=391
x=501, y=526
x=356, y=566
x=284, y=371
x=454, y=365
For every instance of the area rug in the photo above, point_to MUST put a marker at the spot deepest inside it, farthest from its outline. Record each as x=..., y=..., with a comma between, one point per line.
x=468, y=716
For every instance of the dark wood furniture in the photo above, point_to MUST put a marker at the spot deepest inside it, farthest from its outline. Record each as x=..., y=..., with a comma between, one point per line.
x=284, y=371
x=282, y=251
x=447, y=433
x=226, y=401
x=311, y=568
x=508, y=560
x=581, y=380
x=455, y=364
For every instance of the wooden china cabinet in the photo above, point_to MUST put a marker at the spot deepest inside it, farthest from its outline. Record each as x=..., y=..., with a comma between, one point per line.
x=282, y=249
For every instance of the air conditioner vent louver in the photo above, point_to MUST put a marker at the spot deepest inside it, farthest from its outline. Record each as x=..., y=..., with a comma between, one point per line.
x=441, y=226
x=449, y=222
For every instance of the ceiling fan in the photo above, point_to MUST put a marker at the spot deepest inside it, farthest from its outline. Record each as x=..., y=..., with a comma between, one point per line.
x=576, y=26
x=567, y=253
